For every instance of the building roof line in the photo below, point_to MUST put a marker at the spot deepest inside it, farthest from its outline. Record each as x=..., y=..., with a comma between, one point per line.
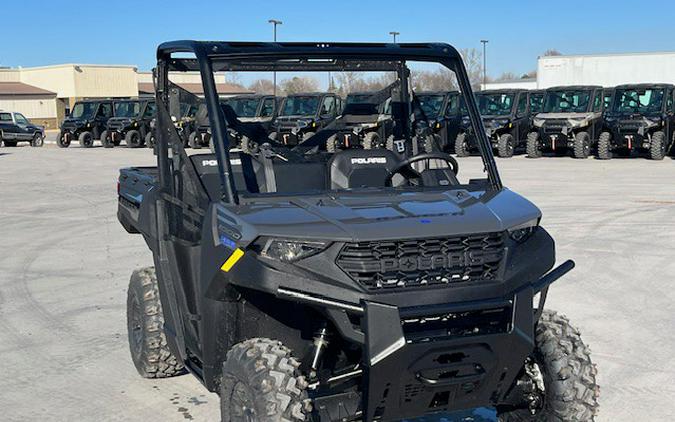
x=56, y=66
x=642, y=53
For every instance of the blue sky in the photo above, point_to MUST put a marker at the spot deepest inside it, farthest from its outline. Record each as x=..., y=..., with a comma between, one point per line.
x=127, y=32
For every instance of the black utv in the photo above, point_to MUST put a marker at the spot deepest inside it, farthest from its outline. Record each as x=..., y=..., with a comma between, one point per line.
x=366, y=122
x=131, y=123
x=640, y=118
x=258, y=109
x=86, y=122
x=507, y=120
x=302, y=115
x=445, y=116
x=360, y=285
x=571, y=121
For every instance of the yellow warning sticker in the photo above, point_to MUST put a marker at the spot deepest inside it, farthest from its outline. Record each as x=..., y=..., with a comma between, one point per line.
x=236, y=256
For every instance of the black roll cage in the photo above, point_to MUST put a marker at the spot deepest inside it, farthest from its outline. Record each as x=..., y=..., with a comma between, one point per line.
x=214, y=56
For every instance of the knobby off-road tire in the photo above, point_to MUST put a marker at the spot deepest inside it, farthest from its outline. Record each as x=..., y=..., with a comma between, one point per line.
x=145, y=324
x=150, y=139
x=62, y=141
x=568, y=374
x=306, y=136
x=533, y=148
x=332, y=143
x=195, y=140
x=605, y=146
x=133, y=139
x=86, y=139
x=506, y=146
x=657, y=148
x=106, y=140
x=460, y=146
x=261, y=383
x=372, y=141
x=582, y=145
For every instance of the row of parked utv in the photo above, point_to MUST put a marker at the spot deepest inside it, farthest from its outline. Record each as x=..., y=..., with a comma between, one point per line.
x=575, y=120
x=572, y=120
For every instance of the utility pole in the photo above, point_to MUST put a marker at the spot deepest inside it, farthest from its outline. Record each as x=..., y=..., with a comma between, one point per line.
x=275, y=22
x=484, y=62
x=394, y=34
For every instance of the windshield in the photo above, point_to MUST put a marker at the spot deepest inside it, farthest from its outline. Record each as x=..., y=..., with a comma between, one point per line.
x=244, y=107
x=127, y=109
x=359, y=99
x=536, y=103
x=638, y=101
x=83, y=110
x=431, y=105
x=495, y=104
x=304, y=105
x=567, y=101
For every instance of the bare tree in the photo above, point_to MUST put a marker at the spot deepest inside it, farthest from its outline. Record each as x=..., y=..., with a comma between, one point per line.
x=507, y=76
x=441, y=79
x=474, y=67
x=532, y=74
x=299, y=84
x=262, y=86
x=552, y=52
x=349, y=82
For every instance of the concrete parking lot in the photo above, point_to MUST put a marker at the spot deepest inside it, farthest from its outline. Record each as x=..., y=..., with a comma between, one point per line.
x=65, y=264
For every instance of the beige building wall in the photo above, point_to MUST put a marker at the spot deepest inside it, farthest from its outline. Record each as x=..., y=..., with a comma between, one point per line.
x=10, y=75
x=181, y=77
x=84, y=81
x=40, y=110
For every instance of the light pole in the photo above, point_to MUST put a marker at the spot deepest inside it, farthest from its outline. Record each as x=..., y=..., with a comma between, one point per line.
x=394, y=34
x=275, y=22
x=484, y=62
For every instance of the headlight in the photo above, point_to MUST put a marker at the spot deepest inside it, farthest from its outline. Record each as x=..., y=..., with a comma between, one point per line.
x=302, y=123
x=538, y=122
x=288, y=250
x=522, y=232
x=152, y=123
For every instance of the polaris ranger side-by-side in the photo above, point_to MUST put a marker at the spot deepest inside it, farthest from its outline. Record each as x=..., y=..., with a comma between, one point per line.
x=131, y=123
x=360, y=285
x=640, y=118
x=445, y=117
x=86, y=122
x=507, y=120
x=302, y=115
x=365, y=122
x=571, y=121
x=257, y=109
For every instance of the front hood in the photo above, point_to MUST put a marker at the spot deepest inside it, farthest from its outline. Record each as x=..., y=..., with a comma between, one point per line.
x=119, y=121
x=381, y=216
x=74, y=122
x=562, y=116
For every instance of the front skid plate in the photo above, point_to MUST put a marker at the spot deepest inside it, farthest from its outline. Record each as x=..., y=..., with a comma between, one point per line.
x=405, y=379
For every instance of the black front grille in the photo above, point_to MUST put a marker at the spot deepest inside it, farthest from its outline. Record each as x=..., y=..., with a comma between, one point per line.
x=457, y=324
x=394, y=264
x=554, y=126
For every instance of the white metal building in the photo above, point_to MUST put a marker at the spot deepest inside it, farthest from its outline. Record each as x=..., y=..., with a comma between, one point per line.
x=606, y=70
x=524, y=83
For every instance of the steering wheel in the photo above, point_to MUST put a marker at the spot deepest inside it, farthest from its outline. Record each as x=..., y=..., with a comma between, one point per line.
x=406, y=165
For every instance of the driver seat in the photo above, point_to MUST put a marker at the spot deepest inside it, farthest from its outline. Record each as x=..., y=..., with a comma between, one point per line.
x=361, y=168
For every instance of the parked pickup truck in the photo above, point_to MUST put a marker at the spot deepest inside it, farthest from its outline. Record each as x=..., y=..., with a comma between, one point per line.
x=14, y=128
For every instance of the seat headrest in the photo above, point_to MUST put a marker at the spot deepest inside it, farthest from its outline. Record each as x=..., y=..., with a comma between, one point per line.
x=357, y=168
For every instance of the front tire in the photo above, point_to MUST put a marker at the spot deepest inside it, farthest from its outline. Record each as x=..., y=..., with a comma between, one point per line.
x=657, y=148
x=63, y=141
x=506, y=146
x=461, y=149
x=605, y=146
x=564, y=363
x=261, y=382
x=195, y=140
x=533, y=147
x=38, y=140
x=150, y=140
x=371, y=141
x=106, y=140
x=582, y=145
x=86, y=139
x=145, y=326
x=133, y=139
x=332, y=143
